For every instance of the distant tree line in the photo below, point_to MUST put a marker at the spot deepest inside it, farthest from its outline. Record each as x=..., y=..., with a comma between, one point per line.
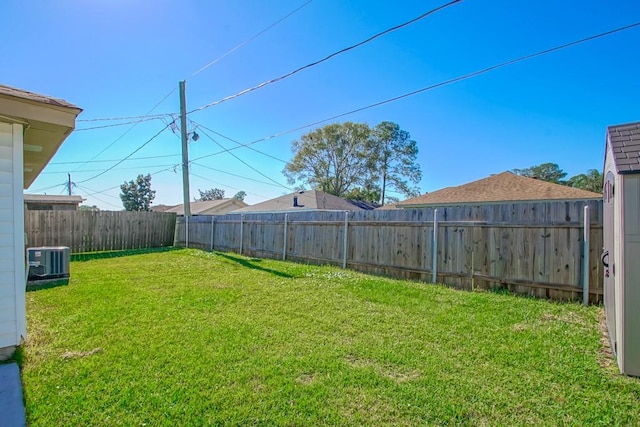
x=591, y=180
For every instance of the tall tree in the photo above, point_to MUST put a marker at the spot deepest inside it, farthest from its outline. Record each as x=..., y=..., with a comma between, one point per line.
x=137, y=194
x=212, y=194
x=550, y=172
x=334, y=159
x=591, y=181
x=395, y=160
x=240, y=195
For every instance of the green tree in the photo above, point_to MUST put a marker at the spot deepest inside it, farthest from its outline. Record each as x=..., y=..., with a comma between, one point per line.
x=364, y=194
x=212, y=194
x=137, y=194
x=240, y=195
x=335, y=158
x=591, y=181
x=395, y=161
x=550, y=172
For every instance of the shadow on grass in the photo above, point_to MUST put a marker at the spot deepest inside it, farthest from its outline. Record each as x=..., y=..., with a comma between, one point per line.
x=47, y=284
x=88, y=256
x=253, y=264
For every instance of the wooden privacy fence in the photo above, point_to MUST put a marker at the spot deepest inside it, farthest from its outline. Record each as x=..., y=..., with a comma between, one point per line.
x=88, y=231
x=529, y=248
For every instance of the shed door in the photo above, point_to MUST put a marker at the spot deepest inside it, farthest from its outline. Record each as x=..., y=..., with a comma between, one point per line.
x=608, y=193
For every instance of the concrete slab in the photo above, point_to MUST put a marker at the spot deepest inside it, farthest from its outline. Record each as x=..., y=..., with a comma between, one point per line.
x=11, y=404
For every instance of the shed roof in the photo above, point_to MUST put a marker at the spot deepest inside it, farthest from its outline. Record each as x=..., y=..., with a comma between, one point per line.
x=625, y=145
x=307, y=201
x=503, y=187
x=45, y=198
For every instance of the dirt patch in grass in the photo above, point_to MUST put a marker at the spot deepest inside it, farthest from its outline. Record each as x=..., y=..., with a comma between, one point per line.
x=76, y=354
x=605, y=356
x=396, y=373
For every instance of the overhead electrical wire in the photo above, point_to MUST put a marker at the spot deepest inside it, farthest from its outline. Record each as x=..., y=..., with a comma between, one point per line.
x=226, y=185
x=326, y=58
x=115, y=160
x=199, y=125
x=236, y=175
x=134, y=122
x=122, y=160
x=149, y=116
x=431, y=87
x=245, y=163
x=249, y=40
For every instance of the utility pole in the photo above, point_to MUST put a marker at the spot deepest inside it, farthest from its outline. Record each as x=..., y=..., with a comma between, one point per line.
x=185, y=151
x=69, y=183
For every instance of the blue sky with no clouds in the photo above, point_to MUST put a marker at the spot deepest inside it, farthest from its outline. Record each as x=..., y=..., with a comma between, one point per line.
x=117, y=58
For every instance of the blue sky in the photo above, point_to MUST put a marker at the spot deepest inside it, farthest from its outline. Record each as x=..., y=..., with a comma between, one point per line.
x=117, y=58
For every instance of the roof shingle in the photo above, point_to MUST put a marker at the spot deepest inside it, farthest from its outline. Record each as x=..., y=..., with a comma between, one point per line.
x=503, y=187
x=625, y=144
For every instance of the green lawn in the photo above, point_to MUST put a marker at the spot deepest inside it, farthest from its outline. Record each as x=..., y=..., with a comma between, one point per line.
x=193, y=338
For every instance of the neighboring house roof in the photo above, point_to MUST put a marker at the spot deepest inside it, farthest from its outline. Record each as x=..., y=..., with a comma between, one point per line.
x=301, y=201
x=625, y=145
x=503, y=187
x=162, y=208
x=210, y=207
x=47, y=122
x=45, y=198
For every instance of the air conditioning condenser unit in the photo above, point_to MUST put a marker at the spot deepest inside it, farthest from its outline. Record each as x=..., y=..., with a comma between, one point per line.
x=48, y=263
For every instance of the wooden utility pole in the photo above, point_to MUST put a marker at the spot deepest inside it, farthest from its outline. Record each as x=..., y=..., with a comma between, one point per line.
x=69, y=183
x=185, y=151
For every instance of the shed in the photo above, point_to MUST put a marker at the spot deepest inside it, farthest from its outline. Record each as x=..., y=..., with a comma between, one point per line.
x=32, y=127
x=621, y=250
x=45, y=202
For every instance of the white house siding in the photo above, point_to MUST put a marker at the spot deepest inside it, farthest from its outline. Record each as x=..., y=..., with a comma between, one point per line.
x=12, y=285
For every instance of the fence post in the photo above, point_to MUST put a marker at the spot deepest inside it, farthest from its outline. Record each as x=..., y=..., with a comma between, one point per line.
x=585, y=264
x=346, y=239
x=186, y=231
x=213, y=225
x=284, y=245
x=241, y=231
x=434, y=246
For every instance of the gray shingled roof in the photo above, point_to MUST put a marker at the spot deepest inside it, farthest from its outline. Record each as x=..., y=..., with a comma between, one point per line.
x=32, y=96
x=310, y=200
x=625, y=144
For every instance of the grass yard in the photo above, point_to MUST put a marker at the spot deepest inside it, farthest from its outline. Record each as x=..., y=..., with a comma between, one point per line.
x=187, y=337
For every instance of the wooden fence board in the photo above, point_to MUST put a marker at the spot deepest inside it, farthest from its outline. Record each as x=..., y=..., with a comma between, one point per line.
x=87, y=231
x=533, y=248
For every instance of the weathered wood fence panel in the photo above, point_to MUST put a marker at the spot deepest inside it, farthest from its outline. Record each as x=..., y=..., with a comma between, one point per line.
x=529, y=248
x=88, y=231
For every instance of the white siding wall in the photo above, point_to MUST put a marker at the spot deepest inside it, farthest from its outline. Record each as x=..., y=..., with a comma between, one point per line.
x=12, y=294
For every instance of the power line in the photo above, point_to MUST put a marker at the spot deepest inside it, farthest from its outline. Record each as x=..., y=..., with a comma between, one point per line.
x=236, y=175
x=249, y=40
x=245, y=163
x=240, y=143
x=433, y=86
x=134, y=122
x=134, y=151
x=149, y=116
x=289, y=74
x=120, y=169
x=228, y=186
x=113, y=160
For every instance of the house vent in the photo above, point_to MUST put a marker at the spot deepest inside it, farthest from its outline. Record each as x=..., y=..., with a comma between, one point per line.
x=47, y=263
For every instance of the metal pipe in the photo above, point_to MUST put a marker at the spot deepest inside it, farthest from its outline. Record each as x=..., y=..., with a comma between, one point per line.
x=346, y=239
x=213, y=225
x=585, y=263
x=241, y=231
x=284, y=244
x=434, y=246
